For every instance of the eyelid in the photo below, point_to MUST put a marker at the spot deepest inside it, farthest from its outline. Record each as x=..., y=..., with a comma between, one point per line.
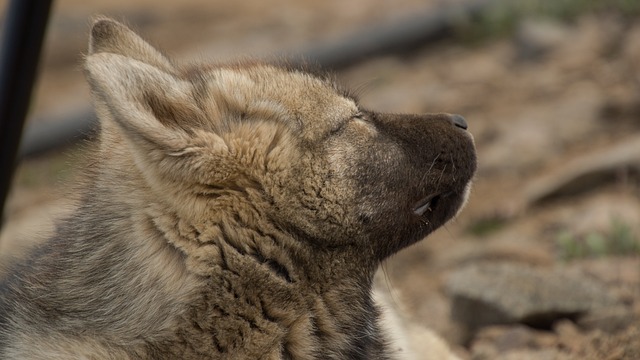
x=359, y=115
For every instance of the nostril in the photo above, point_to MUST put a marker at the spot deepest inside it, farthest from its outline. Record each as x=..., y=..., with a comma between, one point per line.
x=459, y=121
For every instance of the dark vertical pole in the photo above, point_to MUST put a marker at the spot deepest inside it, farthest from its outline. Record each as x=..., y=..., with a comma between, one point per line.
x=25, y=24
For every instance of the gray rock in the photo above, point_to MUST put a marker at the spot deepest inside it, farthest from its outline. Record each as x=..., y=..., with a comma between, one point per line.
x=503, y=293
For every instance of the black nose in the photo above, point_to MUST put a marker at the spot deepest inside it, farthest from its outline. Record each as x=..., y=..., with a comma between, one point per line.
x=459, y=121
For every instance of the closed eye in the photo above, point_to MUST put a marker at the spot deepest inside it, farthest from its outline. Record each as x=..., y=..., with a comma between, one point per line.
x=338, y=128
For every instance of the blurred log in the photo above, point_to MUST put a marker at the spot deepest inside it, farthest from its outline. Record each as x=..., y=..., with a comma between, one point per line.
x=403, y=35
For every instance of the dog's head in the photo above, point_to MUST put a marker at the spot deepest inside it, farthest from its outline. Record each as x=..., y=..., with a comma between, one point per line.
x=276, y=144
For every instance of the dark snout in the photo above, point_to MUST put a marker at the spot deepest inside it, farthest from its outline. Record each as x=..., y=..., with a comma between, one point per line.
x=428, y=181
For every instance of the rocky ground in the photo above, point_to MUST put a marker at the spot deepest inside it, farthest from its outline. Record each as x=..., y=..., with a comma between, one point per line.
x=544, y=263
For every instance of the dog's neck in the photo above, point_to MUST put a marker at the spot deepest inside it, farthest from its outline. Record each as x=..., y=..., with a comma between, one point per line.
x=248, y=272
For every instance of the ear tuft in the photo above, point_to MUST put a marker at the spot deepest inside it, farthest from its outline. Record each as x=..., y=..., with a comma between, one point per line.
x=110, y=36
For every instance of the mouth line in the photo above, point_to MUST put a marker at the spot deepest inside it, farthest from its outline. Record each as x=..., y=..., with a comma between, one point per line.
x=427, y=204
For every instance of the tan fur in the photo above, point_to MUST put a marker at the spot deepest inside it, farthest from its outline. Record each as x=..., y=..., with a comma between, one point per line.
x=234, y=212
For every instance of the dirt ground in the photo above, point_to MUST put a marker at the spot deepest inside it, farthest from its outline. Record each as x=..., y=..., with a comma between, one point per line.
x=554, y=108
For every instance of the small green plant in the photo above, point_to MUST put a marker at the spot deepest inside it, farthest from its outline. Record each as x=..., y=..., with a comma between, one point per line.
x=619, y=239
x=623, y=238
x=484, y=227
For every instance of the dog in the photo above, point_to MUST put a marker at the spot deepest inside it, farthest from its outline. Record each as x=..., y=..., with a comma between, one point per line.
x=232, y=211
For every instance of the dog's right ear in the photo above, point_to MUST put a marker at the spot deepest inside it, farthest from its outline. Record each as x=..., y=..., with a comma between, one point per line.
x=110, y=36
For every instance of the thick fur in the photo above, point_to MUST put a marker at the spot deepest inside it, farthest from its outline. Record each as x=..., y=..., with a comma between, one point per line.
x=232, y=212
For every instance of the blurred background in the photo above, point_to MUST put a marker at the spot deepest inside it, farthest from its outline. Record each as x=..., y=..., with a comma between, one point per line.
x=544, y=262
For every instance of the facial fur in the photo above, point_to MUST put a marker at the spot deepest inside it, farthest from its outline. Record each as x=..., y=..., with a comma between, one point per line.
x=235, y=211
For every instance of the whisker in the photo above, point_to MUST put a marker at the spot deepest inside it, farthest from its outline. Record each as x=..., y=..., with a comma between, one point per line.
x=387, y=282
x=444, y=168
x=428, y=172
x=453, y=173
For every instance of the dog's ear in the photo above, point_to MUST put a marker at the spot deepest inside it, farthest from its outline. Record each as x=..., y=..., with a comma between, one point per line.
x=135, y=87
x=150, y=105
